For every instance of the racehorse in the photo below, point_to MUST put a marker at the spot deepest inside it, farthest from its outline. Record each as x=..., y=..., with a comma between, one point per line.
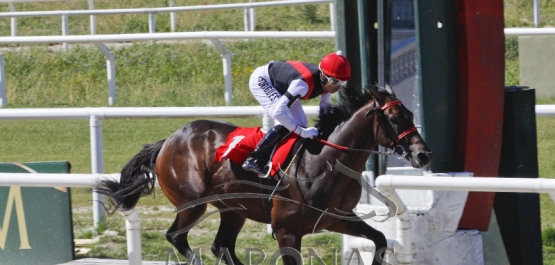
x=312, y=194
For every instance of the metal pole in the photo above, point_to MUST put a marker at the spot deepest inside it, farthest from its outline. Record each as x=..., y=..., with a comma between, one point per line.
x=3, y=97
x=13, y=20
x=536, y=13
x=172, y=16
x=382, y=159
x=111, y=69
x=151, y=23
x=97, y=167
x=247, y=19
x=133, y=227
x=92, y=18
x=252, y=16
x=364, y=42
x=226, y=59
x=65, y=30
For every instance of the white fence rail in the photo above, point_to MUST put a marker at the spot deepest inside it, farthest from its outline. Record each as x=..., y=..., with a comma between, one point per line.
x=388, y=184
x=132, y=219
x=96, y=115
x=248, y=13
x=214, y=36
x=529, y=31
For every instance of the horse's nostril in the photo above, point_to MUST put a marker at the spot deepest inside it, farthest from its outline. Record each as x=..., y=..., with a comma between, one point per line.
x=425, y=156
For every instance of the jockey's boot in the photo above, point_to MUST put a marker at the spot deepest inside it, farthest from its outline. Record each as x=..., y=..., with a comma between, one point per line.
x=257, y=160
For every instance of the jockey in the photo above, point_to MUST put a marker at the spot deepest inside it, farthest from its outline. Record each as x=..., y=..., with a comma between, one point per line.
x=278, y=86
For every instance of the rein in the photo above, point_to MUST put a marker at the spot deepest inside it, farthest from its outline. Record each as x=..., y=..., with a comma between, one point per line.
x=344, y=148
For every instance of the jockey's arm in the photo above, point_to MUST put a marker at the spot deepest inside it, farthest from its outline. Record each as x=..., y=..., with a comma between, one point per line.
x=297, y=89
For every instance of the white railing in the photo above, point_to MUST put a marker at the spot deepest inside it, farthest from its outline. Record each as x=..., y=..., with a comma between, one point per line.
x=545, y=110
x=96, y=115
x=214, y=36
x=132, y=219
x=529, y=31
x=248, y=13
x=388, y=184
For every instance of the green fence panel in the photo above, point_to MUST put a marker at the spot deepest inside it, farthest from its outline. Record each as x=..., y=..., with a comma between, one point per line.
x=35, y=223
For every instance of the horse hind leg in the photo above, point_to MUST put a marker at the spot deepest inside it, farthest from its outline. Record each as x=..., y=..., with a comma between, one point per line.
x=178, y=232
x=224, y=243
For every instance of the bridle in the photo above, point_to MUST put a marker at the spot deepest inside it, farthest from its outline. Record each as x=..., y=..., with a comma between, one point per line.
x=394, y=140
x=381, y=114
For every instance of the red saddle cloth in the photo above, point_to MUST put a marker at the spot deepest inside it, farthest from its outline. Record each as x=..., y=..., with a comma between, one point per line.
x=242, y=141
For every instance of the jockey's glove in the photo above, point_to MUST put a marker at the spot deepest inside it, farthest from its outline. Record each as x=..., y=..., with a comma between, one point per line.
x=309, y=132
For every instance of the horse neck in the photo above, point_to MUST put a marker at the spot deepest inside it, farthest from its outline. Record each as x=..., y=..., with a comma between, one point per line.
x=357, y=133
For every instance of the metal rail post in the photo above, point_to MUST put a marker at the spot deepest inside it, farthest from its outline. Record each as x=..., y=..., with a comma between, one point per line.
x=3, y=97
x=13, y=20
x=537, y=19
x=151, y=22
x=111, y=69
x=65, y=30
x=92, y=17
x=97, y=167
x=226, y=59
x=252, y=14
x=172, y=16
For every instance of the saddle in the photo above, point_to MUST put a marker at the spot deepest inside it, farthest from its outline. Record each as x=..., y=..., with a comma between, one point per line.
x=242, y=141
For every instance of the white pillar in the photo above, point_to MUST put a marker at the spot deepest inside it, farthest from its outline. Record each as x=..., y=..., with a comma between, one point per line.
x=65, y=30
x=92, y=17
x=226, y=59
x=133, y=227
x=97, y=167
x=252, y=13
x=537, y=13
x=246, y=18
x=172, y=16
x=151, y=22
x=111, y=69
x=3, y=95
x=13, y=20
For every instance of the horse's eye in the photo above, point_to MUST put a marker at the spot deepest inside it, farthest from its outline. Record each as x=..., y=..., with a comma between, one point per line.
x=393, y=119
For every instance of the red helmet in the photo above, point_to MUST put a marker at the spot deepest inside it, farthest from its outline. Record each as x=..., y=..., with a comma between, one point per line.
x=336, y=65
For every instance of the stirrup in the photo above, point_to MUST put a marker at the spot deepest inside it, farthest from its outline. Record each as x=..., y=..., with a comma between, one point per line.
x=267, y=175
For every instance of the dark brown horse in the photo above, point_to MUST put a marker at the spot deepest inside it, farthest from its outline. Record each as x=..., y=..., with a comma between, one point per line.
x=312, y=196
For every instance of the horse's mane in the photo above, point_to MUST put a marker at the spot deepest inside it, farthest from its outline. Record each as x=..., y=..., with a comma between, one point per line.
x=350, y=100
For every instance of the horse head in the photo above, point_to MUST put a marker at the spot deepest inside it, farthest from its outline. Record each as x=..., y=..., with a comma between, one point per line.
x=395, y=129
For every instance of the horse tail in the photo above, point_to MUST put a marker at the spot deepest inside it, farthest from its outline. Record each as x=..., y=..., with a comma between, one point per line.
x=137, y=179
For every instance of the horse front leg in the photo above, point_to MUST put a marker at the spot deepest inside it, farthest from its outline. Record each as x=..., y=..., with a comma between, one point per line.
x=289, y=247
x=357, y=227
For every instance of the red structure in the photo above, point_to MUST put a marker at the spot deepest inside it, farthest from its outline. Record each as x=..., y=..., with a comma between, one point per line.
x=481, y=68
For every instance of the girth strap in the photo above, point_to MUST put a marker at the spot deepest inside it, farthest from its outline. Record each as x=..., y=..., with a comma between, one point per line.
x=266, y=204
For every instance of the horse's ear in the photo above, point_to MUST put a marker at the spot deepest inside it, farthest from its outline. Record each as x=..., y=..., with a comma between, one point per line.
x=376, y=95
x=389, y=90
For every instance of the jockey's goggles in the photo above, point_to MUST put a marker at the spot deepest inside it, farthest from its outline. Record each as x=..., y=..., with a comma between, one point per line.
x=334, y=81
